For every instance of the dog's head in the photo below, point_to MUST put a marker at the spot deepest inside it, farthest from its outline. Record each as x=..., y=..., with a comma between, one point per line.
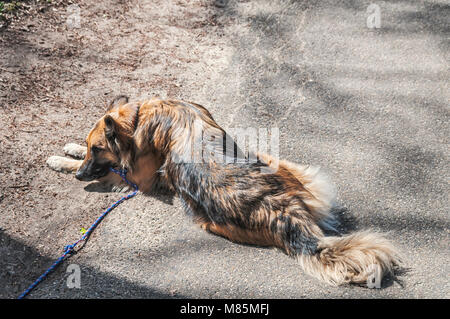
x=109, y=143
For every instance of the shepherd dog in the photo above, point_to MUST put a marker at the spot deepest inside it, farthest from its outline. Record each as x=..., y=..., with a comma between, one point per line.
x=264, y=202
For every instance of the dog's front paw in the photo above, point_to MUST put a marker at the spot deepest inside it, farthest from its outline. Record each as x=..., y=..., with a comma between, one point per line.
x=63, y=164
x=75, y=150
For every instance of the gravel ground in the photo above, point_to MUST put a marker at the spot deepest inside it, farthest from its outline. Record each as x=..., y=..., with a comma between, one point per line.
x=369, y=105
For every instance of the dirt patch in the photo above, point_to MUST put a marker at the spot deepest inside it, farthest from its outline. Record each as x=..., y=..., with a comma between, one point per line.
x=55, y=81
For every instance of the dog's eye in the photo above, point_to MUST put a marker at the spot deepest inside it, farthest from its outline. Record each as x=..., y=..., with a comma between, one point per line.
x=96, y=149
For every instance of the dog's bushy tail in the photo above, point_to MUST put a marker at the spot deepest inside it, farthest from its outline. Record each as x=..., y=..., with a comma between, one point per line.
x=353, y=258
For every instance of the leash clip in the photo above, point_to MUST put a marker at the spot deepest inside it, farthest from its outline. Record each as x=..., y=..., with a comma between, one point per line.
x=70, y=249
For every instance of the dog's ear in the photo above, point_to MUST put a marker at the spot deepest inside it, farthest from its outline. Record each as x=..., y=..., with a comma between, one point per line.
x=112, y=132
x=110, y=126
x=117, y=101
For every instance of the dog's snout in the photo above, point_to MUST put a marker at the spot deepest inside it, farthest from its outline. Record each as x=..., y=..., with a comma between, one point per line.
x=82, y=175
x=91, y=170
x=83, y=172
x=79, y=175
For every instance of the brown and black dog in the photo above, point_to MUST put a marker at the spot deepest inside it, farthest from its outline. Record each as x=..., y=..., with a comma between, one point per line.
x=264, y=202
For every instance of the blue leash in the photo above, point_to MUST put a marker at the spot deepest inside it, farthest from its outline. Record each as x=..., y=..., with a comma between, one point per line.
x=70, y=249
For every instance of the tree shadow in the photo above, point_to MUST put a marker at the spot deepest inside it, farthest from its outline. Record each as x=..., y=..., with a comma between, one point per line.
x=21, y=265
x=433, y=19
x=271, y=64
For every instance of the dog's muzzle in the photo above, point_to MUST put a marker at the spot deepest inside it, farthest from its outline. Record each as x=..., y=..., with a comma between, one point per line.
x=91, y=171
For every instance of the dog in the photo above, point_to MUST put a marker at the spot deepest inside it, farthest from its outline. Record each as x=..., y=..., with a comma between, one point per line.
x=265, y=202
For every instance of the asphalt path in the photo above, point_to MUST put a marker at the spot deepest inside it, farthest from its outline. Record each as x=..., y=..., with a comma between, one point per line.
x=368, y=105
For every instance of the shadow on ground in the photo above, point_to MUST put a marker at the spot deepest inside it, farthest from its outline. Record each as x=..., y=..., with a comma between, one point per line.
x=24, y=265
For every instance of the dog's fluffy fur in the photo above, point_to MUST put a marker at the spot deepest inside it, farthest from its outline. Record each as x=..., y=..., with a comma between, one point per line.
x=265, y=202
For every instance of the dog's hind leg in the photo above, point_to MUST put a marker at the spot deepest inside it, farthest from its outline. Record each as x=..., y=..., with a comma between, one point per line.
x=75, y=150
x=243, y=236
x=64, y=164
